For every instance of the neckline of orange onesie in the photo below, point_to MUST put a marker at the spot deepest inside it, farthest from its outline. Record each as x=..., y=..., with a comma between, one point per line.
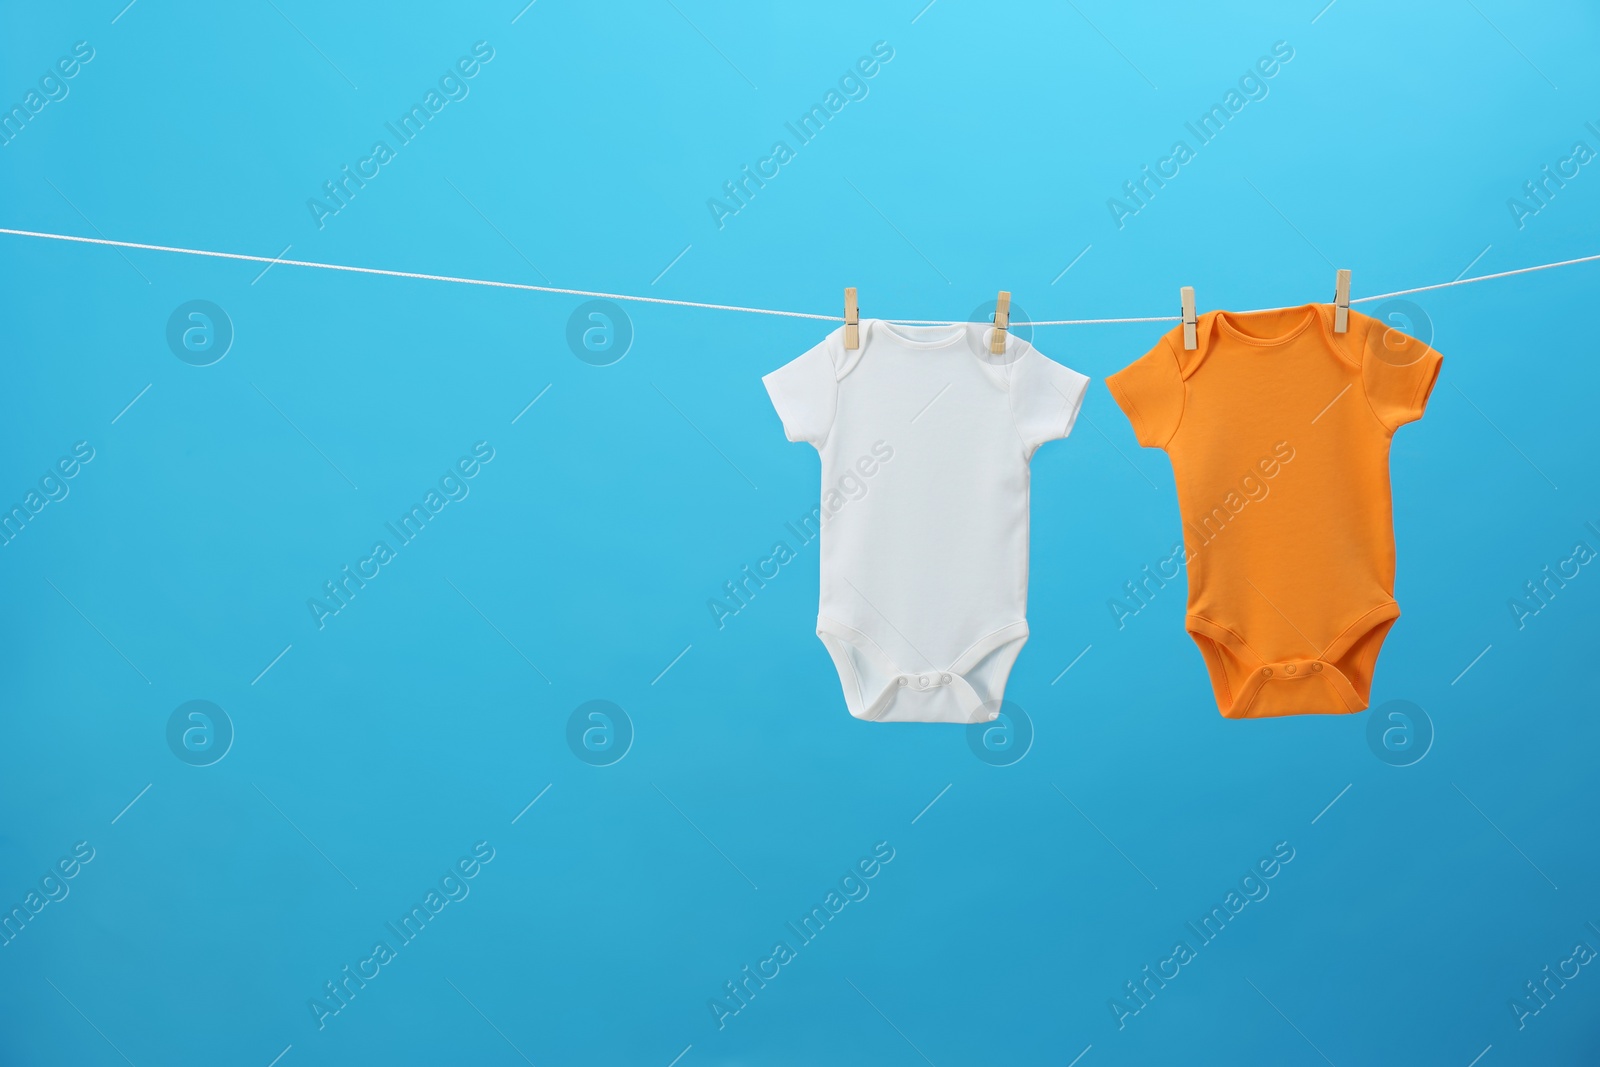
x=1278, y=430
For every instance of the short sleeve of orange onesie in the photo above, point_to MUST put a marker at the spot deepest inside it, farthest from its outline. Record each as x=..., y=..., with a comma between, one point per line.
x=1397, y=373
x=1150, y=393
x=1278, y=429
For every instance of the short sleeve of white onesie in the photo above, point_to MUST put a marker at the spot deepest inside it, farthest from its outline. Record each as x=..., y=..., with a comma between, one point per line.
x=1045, y=398
x=805, y=393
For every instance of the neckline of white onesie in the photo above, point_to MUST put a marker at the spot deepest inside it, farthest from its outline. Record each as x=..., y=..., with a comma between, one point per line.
x=975, y=336
x=931, y=336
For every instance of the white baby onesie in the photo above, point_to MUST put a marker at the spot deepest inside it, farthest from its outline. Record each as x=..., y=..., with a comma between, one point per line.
x=925, y=439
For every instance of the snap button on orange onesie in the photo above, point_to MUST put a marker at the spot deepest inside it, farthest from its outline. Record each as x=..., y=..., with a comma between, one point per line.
x=1278, y=430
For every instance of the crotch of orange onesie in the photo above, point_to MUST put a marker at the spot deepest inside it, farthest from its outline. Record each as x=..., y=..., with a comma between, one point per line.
x=1330, y=681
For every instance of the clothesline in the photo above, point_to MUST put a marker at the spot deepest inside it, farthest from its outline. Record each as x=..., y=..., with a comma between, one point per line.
x=279, y=261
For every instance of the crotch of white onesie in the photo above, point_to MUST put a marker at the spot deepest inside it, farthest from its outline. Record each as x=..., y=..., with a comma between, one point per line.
x=967, y=689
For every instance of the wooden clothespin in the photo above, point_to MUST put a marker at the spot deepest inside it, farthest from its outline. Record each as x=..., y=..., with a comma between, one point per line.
x=1002, y=322
x=852, y=320
x=1341, y=302
x=1191, y=332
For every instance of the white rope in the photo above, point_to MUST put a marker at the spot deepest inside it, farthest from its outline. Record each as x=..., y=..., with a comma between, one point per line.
x=1478, y=278
x=275, y=260
x=412, y=274
x=1042, y=322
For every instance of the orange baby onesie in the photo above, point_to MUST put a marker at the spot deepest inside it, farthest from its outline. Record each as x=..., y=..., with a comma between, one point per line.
x=1278, y=430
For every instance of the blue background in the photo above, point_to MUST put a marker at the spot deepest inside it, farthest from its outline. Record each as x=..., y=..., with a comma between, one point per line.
x=371, y=754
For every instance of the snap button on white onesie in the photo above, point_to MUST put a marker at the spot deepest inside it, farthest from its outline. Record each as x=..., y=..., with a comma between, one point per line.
x=925, y=439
